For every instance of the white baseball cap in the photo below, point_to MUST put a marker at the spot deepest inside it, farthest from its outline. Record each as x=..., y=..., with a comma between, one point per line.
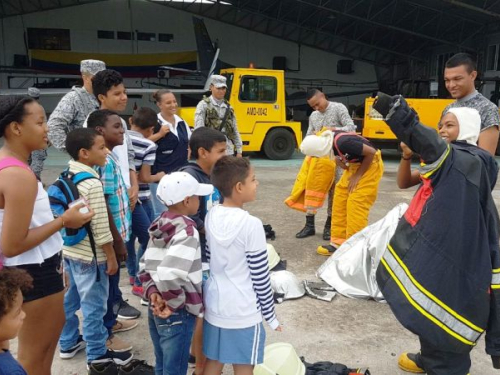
x=176, y=186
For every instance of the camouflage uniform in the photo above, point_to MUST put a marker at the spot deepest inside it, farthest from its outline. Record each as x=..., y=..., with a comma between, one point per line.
x=210, y=113
x=70, y=113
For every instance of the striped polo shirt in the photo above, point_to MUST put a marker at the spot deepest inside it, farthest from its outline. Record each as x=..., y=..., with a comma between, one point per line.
x=91, y=190
x=145, y=154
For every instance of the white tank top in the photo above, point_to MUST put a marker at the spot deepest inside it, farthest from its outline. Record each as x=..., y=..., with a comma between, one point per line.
x=42, y=214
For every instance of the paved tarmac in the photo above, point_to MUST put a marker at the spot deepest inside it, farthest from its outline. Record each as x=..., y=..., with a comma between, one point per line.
x=352, y=332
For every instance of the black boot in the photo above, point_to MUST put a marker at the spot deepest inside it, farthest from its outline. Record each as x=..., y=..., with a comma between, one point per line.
x=308, y=230
x=327, y=229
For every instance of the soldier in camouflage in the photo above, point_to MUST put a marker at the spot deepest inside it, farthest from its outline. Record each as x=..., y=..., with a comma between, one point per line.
x=71, y=112
x=211, y=112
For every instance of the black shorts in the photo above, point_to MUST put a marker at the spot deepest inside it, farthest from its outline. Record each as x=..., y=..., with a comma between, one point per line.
x=47, y=278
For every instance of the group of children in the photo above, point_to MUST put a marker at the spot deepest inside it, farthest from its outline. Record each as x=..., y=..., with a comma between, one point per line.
x=203, y=263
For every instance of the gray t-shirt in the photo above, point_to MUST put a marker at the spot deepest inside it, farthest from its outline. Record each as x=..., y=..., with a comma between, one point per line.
x=487, y=110
x=335, y=115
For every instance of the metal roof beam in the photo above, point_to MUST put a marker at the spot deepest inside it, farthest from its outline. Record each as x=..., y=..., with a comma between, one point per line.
x=293, y=37
x=473, y=8
x=391, y=27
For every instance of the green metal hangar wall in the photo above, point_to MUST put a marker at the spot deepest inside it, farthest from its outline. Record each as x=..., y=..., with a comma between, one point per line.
x=347, y=47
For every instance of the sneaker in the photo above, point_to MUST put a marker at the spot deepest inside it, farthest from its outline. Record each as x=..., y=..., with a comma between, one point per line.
x=131, y=280
x=106, y=368
x=125, y=311
x=120, y=359
x=137, y=290
x=191, y=361
x=408, y=362
x=136, y=367
x=326, y=250
x=71, y=352
x=117, y=345
x=124, y=325
x=144, y=302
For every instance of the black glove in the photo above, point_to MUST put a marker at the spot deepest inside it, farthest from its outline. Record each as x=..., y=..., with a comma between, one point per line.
x=496, y=361
x=384, y=103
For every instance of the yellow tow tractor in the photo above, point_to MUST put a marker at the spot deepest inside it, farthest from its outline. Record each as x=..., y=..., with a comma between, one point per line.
x=258, y=99
x=377, y=131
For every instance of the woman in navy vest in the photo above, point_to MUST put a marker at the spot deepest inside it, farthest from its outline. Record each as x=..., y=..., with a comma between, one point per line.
x=171, y=134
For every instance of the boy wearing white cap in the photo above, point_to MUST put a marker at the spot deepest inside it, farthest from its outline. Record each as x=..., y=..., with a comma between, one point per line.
x=215, y=112
x=172, y=275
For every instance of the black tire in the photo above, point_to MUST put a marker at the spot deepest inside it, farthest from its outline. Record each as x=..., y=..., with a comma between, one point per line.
x=279, y=144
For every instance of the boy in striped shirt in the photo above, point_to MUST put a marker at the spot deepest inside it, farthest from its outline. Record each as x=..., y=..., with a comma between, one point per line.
x=142, y=124
x=238, y=292
x=172, y=273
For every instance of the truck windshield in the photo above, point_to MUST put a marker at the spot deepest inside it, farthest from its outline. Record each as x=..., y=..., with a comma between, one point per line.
x=229, y=77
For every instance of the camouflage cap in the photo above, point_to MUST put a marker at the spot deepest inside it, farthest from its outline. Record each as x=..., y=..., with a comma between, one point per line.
x=218, y=81
x=92, y=66
x=33, y=92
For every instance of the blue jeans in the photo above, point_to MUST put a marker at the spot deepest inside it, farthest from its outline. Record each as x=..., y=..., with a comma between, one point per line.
x=114, y=300
x=141, y=220
x=90, y=296
x=171, y=341
x=157, y=205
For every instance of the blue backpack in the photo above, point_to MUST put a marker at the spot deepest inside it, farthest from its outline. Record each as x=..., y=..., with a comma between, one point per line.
x=61, y=193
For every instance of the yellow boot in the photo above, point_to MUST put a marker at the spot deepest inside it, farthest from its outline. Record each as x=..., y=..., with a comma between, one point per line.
x=407, y=362
x=326, y=250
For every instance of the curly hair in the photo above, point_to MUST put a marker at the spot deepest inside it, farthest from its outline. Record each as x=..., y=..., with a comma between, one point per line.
x=11, y=280
x=103, y=81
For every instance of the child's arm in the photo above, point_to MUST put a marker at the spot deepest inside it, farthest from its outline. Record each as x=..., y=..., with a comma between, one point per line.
x=259, y=272
x=133, y=191
x=162, y=132
x=100, y=225
x=112, y=263
x=406, y=177
x=148, y=161
x=118, y=244
x=145, y=175
x=109, y=186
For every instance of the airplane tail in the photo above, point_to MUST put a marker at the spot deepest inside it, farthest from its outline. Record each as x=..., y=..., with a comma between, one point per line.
x=207, y=52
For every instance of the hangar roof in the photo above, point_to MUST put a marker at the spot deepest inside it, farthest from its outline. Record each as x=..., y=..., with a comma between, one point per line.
x=383, y=32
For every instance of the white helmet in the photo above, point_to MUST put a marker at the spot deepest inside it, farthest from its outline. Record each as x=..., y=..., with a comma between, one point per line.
x=286, y=286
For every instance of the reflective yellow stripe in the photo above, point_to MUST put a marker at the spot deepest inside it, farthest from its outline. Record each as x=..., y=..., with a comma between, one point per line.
x=428, y=174
x=421, y=310
x=496, y=270
x=495, y=287
x=431, y=296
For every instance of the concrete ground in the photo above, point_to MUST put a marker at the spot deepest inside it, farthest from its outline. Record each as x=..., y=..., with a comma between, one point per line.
x=352, y=332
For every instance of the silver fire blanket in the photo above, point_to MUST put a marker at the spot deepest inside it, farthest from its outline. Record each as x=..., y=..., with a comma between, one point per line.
x=351, y=270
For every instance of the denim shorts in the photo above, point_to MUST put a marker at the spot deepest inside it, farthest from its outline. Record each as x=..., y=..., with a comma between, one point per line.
x=47, y=278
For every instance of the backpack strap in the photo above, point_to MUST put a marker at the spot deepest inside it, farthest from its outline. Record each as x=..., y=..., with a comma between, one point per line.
x=336, y=138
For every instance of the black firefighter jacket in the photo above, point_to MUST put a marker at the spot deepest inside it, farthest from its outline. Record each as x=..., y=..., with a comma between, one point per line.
x=441, y=271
